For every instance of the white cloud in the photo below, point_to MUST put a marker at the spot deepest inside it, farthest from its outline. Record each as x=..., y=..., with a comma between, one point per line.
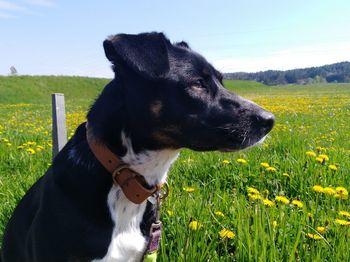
x=44, y=3
x=8, y=6
x=292, y=58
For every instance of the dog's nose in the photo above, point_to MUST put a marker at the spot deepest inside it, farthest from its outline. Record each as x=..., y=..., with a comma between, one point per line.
x=267, y=120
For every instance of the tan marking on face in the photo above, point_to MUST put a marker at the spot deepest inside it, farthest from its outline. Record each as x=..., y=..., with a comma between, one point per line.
x=163, y=138
x=156, y=107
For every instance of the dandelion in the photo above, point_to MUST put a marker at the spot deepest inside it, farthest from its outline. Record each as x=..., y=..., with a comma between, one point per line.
x=271, y=169
x=225, y=233
x=255, y=197
x=188, y=189
x=274, y=224
x=324, y=157
x=20, y=147
x=333, y=167
x=170, y=213
x=297, y=203
x=194, y=225
x=253, y=190
x=321, y=230
x=242, y=161
x=219, y=214
x=313, y=236
x=226, y=162
x=344, y=213
x=319, y=159
x=341, y=193
x=30, y=151
x=310, y=153
x=282, y=199
x=329, y=191
x=286, y=175
x=342, y=222
x=264, y=164
x=318, y=189
x=268, y=202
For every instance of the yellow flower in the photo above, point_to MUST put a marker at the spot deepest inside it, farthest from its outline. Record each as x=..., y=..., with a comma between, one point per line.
x=324, y=157
x=188, y=189
x=252, y=190
x=226, y=162
x=342, y=193
x=318, y=189
x=286, y=175
x=282, y=199
x=264, y=164
x=342, y=222
x=333, y=167
x=319, y=159
x=255, y=197
x=321, y=230
x=30, y=151
x=219, y=213
x=313, y=236
x=344, y=213
x=297, y=203
x=241, y=161
x=20, y=147
x=268, y=202
x=170, y=213
x=225, y=233
x=274, y=224
x=310, y=153
x=194, y=225
x=341, y=190
x=271, y=169
x=329, y=191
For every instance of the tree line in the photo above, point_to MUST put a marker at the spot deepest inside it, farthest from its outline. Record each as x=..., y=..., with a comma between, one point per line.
x=333, y=73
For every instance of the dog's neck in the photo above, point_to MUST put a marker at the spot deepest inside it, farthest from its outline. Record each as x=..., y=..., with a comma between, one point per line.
x=152, y=164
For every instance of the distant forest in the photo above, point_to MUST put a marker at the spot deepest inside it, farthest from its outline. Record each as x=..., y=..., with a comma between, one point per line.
x=334, y=73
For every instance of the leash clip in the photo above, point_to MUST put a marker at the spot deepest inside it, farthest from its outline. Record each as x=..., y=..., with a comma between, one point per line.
x=163, y=191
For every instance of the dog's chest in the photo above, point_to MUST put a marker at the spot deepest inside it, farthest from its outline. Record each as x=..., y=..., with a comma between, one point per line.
x=127, y=242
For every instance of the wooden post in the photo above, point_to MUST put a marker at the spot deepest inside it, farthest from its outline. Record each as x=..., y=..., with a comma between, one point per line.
x=59, y=131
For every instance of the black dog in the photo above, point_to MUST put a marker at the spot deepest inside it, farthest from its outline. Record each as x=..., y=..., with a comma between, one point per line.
x=164, y=97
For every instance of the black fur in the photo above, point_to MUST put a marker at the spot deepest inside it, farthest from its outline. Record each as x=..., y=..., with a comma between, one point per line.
x=162, y=96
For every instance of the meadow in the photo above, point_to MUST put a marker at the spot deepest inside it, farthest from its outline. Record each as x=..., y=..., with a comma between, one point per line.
x=284, y=200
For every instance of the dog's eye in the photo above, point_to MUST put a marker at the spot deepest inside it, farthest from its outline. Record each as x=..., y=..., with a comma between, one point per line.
x=198, y=84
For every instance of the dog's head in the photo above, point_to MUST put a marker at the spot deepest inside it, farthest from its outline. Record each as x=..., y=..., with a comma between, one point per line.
x=173, y=98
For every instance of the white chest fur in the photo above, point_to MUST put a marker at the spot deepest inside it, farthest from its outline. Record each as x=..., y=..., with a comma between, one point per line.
x=128, y=243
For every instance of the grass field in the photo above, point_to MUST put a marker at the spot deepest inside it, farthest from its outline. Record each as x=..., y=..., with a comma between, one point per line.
x=286, y=200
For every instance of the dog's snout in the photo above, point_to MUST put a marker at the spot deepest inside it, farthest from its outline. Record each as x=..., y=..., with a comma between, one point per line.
x=267, y=120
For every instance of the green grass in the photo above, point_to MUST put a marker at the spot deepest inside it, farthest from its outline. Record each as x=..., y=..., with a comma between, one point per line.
x=309, y=118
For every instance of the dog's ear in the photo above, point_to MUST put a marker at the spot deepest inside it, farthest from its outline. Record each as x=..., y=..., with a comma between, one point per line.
x=183, y=44
x=145, y=53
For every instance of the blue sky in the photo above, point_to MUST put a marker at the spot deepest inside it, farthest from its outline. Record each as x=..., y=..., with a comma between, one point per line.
x=61, y=37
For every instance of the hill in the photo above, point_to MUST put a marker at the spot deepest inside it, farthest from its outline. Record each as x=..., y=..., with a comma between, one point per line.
x=37, y=89
x=333, y=73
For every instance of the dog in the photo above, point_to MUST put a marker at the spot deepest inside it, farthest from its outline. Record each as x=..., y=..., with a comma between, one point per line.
x=164, y=97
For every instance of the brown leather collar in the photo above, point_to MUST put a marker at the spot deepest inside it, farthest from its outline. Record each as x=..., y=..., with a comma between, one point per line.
x=131, y=182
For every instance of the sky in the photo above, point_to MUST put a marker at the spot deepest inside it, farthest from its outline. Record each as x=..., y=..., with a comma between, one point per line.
x=61, y=37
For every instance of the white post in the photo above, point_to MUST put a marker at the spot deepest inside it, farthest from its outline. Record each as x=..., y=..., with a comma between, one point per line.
x=59, y=131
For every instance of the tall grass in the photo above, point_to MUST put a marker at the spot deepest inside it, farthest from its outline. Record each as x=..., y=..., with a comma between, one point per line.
x=215, y=189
